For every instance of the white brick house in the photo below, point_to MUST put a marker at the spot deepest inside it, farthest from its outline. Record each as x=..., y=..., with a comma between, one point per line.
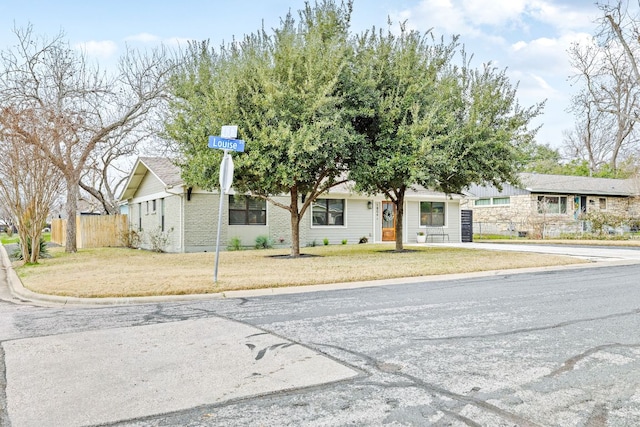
x=158, y=199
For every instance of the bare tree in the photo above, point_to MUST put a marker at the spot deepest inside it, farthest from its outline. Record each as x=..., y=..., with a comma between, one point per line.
x=607, y=105
x=28, y=183
x=85, y=108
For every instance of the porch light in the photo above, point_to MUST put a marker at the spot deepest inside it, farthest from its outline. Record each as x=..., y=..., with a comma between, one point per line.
x=369, y=204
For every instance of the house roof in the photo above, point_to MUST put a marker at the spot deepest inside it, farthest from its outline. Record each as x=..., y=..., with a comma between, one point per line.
x=563, y=184
x=168, y=173
x=560, y=184
x=161, y=167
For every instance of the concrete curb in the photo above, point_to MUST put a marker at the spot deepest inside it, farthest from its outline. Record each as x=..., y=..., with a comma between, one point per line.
x=19, y=291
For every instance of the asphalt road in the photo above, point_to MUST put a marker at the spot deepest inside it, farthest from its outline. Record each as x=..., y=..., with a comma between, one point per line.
x=554, y=348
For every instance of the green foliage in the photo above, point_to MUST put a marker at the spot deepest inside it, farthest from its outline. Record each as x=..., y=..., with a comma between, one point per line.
x=312, y=244
x=284, y=91
x=313, y=103
x=7, y=239
x=44, y=251
x=344, y=241
x=601, y=222
x=325, y=241
x=235, y=244
x=430, y=122
x=264, y=242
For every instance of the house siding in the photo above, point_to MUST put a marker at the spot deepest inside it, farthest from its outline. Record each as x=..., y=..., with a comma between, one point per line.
x=277, y=226
x=358, y=221
x=191, y=220
x=200, y=222
x=412, y=218
x=150, y=186
x=172, y=220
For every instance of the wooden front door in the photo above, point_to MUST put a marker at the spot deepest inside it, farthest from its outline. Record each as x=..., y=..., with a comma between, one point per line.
x=388, y=221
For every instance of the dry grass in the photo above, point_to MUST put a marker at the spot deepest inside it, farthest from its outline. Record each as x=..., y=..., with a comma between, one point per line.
x=110, y=272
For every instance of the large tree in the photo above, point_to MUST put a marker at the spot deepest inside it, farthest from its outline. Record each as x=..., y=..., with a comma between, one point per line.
x=85, y=108
x=605, y=106
x=284, y=92
x=429, y=122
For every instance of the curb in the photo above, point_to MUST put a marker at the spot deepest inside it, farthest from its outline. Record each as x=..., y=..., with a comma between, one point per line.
x=18, y=291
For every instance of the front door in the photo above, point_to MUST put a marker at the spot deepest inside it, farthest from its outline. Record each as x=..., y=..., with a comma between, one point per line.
x=388, y=221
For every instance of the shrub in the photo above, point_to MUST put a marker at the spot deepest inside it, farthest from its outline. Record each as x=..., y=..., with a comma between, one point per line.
x=159, y=239
x=44, y=250
x=312, y=244
x=235, y=244
x=130, y=238
x=363, y=240
x=325, y=241
x=264, y=242
x=344, y=241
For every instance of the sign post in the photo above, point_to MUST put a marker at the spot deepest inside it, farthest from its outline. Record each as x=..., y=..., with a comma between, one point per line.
x=226, y=142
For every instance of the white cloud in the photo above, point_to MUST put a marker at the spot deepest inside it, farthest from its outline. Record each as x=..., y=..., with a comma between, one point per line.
x=101, y=49
x=178, y=41
x=562, y=17
x=143, y=38
x=545, y=55
x=495, y=12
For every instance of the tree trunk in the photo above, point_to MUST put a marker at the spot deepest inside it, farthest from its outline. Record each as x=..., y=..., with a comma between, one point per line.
x=399, y=218
x=71, y=208
x=295, y=224
x=24, y=243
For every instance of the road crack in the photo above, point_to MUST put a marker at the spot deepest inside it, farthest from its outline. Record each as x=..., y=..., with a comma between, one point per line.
x=434, y=389
x=570, y=363
x=533, y=329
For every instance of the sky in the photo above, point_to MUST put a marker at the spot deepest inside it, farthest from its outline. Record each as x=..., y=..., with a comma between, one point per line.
x=528, y=38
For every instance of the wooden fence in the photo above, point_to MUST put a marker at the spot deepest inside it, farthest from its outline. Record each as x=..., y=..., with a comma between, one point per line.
x=92, y=231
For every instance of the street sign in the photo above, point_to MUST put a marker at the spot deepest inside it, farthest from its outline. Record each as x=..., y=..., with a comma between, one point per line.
x=226, y=173
x=226, y=143
x=230, y=132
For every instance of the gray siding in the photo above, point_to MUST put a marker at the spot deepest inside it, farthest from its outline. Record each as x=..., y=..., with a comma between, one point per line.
x=149, y=185
x=201, y=221
x=451, y=226
x=358, y=224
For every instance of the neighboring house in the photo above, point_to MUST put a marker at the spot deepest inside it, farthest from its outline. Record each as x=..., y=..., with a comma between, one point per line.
x=159, y=201
x=550, y=204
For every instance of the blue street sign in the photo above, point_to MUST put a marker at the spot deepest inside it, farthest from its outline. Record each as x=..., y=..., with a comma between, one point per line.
x=226, y=143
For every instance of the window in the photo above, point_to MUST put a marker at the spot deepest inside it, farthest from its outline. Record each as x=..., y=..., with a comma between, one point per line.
x=493, y=201
x=432, y=214
x=247, y=211
x=153, y=206
x=603, y=203
x=139, y=216
x=552, y=204
x=147, y=210
x=328, y=212
x=162, y=214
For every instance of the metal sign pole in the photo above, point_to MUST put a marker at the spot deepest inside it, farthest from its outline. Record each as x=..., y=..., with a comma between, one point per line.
x=215, y=273
x=227, y=142
x=226, y=175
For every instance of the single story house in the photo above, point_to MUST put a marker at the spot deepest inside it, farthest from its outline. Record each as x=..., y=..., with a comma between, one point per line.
x=549, y=204
x=158, y=199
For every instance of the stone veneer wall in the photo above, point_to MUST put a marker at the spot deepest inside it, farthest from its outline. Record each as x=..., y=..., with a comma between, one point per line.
x=522, y=215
